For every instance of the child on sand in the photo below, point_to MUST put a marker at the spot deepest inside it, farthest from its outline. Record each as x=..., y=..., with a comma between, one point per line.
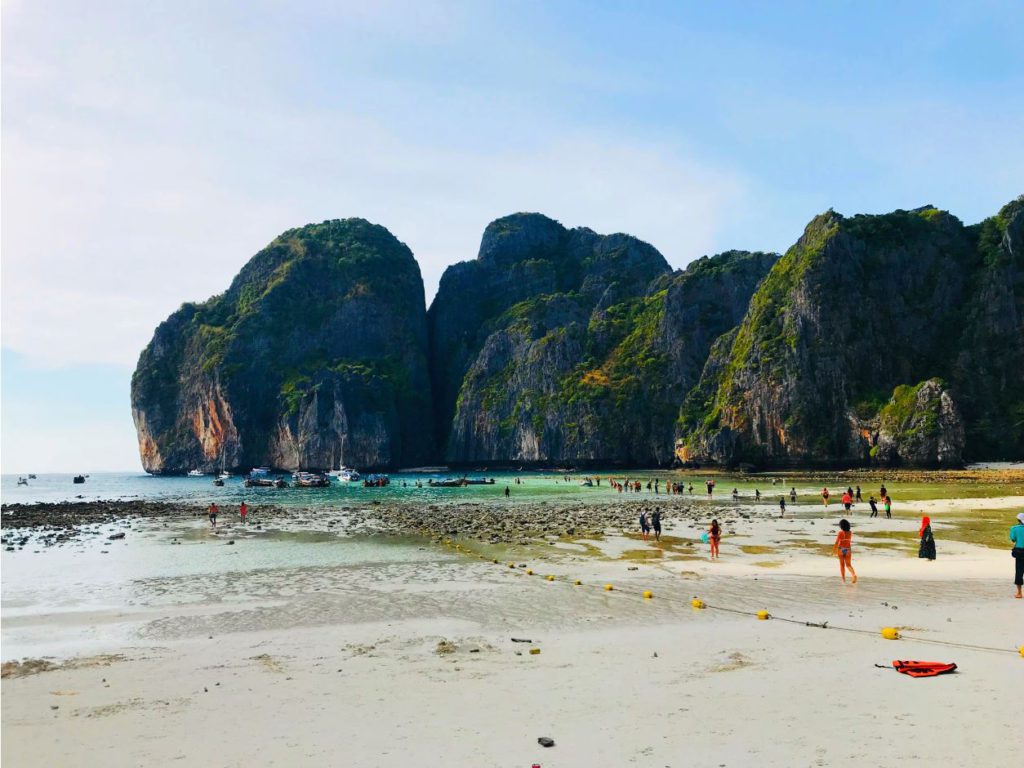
x=213, y=514
x=782, y=506
x=714, y=536
x=243, y=511
x=843, y=549
x=888, y=507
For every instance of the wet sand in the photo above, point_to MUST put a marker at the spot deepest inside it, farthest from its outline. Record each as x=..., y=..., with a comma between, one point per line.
x=412, y=662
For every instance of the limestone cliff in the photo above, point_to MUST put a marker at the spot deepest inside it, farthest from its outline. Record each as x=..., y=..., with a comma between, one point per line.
x=564, y=346
x=318, y=347
x=847, y=322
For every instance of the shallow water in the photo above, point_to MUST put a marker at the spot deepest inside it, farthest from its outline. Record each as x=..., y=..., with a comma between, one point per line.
x=92, y=593
x=533, y=487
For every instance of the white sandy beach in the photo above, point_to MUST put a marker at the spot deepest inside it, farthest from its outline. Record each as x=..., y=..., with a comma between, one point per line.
x=351, y=672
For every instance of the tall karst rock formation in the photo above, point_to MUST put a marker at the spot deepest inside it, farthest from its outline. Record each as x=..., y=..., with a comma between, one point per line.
x=897, y=339
x=317, y=350
x=565, y=346
x=885, y=339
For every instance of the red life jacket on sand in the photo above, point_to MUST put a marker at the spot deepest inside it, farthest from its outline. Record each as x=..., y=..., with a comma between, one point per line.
x=923, y=668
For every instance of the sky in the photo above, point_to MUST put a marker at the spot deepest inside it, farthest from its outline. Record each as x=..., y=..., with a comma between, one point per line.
x=149, y=149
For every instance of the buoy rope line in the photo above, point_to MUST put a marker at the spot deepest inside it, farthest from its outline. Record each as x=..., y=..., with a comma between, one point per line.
x=762, y=615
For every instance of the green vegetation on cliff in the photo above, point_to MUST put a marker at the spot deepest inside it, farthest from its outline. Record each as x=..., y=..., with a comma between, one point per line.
x=321, y=329
x=857, y=307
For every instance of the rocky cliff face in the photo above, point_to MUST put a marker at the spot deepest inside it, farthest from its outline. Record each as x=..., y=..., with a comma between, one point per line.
x=988, y=370
x=564, y=346
x=854, y=315
x=318, y=348
x=893, y=339
x=919, y=426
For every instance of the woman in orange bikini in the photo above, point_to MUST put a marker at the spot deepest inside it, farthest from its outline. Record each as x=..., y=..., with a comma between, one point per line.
x=714, y=536
x=843, y=549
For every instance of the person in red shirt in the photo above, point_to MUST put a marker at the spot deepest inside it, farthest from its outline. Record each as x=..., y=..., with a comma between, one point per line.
x=847, y=501
x=243, y=511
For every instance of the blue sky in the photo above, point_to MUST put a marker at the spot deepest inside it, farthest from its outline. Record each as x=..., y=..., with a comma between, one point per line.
x=149, y=149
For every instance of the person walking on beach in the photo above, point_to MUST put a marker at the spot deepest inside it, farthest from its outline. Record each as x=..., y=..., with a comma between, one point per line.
x=714, y=536
x=645, y=526
x=508, y=491
x=656, y=524
x=792, y=494
x=873, y=505
x=843, y=549
x=213, y=514
x=243, y=511
x=888, y=507
x=782, y=506
x=927, y=548
x=857, y=495
x=1017, y=537
x=883, y=491
x=847, y=501
x=757, y=494
x=824, y=496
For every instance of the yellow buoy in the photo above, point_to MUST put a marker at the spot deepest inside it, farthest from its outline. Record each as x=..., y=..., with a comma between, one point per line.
x=578, y=583
x=648, y=594
x=551, y=578
x=1022, y=650
x=608, y=587
x=890, y=633
x=534, y=651
x=697, y=603
x=529, y=572
x=763, y=615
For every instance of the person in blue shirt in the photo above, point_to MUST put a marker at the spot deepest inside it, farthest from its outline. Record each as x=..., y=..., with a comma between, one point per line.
x=1017, y=537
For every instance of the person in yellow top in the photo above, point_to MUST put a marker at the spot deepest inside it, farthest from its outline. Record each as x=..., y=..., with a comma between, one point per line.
x=843, y=549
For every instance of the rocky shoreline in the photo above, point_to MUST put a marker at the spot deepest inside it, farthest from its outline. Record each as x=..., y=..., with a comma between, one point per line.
x=50, y=524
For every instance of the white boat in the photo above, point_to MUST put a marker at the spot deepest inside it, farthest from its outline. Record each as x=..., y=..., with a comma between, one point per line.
x=195, y=473
x=343, y=473
x=222, y=475
x=346, y=475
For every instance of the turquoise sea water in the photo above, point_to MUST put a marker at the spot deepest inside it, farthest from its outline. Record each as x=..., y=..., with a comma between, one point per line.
x=532, y=487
